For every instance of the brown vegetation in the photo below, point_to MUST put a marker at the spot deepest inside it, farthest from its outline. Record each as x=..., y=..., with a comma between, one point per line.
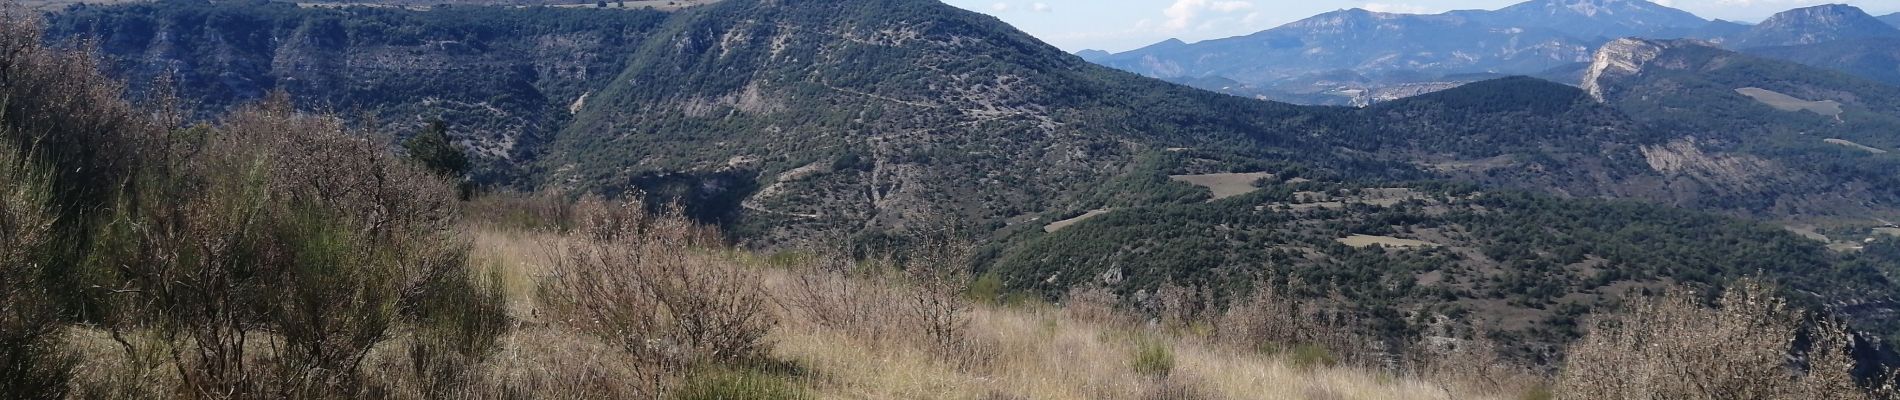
x=1674, y=347
x=638, y=281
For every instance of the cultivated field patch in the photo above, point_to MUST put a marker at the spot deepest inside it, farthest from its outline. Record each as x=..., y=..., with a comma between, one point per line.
x=1857, y=146
x=1785, y=102
x=1058, y=225
x=1224, y=185
x=1386, y=241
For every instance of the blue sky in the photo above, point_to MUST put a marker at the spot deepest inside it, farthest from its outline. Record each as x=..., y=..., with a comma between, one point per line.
x=1119, y=25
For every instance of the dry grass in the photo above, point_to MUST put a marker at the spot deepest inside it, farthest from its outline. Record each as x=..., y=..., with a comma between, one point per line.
x=860, y=341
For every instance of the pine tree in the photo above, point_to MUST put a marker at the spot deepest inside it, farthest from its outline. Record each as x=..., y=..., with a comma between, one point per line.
x=433, y=149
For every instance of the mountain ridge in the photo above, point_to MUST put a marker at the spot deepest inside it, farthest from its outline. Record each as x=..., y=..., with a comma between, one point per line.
x=1817, y=24
x=1407, y=54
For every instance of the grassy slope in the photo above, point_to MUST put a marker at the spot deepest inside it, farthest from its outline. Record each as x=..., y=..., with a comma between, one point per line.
x=1035, y=351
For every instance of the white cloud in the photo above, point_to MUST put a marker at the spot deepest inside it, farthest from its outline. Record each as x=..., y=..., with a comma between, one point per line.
x=1041, y=7
x=1000, y=7
x=1184, y=13
x=1396, y=8
x=1231, y=6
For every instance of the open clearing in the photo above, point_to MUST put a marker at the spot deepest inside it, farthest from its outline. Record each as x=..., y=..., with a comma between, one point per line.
x=1386, y=241
x=1862, y=147
x=1382, y=197
x=662, y=5
x=1224, y=185
x=1809, y=231
x=1790, y=103
x=1058, y=225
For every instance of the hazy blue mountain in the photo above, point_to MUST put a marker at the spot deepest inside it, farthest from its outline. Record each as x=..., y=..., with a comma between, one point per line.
x=1605, y=19
x=1891, y=19
x=1362, y=41
x=1812, y=25
x=1876, y=59
x=1288, y=62
x=1093, y=54
x=1717, y=31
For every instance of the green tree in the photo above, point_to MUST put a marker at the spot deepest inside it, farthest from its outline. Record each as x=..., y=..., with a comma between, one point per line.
x=433, y=149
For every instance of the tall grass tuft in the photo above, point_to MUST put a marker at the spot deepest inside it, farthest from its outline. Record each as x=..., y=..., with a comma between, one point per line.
x=33, y=361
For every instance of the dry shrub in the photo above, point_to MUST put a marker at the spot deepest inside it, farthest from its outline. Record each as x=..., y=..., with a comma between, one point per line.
x=831, y=292
x=936, y=304
x=1093, y=303
x=56, y=106
x=1471, y=366
x=1181, y=307
x=646, y=283
x=916, y=299
x=547, y=211
x=1273, y=319
x=1674, y=347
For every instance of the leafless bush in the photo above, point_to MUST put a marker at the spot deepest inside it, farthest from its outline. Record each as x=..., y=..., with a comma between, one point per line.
x=1180, y=307
x=830, y=291
x=936, y=304
x=1272, y=318
x=916, y=298
x=1093, y=303
x=646, y=283
x=1675, y=347
x=538, y=211
x=1472, y=365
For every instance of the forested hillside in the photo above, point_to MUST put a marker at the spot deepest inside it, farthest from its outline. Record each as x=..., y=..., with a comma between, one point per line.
x=503, y=80
x=1771, y=138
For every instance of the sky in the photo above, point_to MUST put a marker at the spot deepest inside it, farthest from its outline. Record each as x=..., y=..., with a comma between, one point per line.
x=1121, y=25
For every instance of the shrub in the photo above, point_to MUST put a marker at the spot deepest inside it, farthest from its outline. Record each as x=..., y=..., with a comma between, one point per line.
x=918, y=298
x=1312, y=356
x=273, y=251
x=33, y=363
x=1272, y=318
x=1676, y=347
x=458, y=321
x=936, y=305
x=644, y=282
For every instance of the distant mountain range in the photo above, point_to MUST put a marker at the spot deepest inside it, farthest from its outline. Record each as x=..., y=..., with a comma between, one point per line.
x=1590, y=19
x=1395, y=55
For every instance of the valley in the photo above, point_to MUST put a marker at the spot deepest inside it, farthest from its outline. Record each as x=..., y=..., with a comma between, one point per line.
x=905, y=199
